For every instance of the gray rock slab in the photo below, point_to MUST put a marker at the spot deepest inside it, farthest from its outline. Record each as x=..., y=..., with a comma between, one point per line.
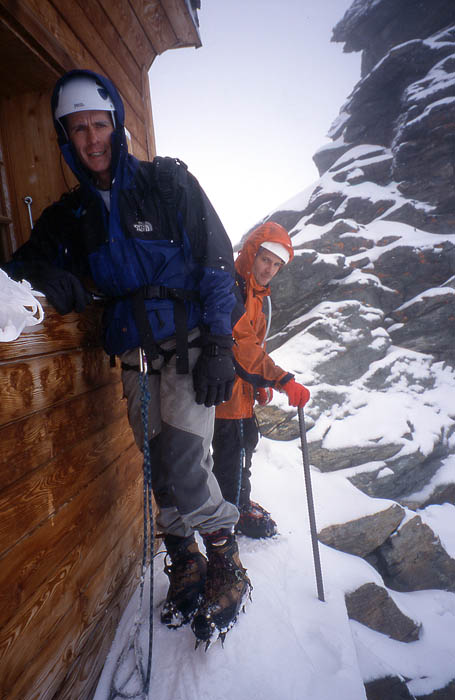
x=363, y=535
x=413, y=559
x=371, y=605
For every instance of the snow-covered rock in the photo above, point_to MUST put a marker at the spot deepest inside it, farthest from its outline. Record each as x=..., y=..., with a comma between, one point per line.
x=365, y=317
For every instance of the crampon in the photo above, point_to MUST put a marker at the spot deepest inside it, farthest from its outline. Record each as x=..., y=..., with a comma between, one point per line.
x=255, y=521
x=226, y=589
x=186, y=576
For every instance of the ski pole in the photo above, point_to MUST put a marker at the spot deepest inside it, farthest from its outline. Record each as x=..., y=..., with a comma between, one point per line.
x=309, y=495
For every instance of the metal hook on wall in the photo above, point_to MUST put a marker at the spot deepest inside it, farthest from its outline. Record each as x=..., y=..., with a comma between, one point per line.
x=29, y=201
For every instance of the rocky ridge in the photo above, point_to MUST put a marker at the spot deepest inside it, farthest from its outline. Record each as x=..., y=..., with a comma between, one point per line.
x=369, y=306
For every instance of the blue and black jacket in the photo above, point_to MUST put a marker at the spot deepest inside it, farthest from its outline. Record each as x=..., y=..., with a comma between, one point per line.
x=160, y=234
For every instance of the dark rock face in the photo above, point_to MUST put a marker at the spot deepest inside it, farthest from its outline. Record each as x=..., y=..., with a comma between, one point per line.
x=446, y=693
x=388, y=688
x=413, y=559
x=427, y=324
x=364, y=535
x=368, y=305
x=375, y=27
x=372, y=606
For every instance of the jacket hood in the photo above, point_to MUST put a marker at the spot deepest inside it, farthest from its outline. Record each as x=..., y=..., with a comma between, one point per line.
x=118, y=139
x=269, y=231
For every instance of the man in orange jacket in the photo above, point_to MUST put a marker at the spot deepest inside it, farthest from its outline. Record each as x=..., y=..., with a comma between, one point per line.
x=266, y=250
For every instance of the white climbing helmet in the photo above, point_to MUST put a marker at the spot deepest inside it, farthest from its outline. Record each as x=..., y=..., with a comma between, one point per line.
x=80, y=93
x=277, y=249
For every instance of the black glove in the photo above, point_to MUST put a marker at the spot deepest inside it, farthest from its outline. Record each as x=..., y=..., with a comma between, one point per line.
x=62, y=289
x=214, y=372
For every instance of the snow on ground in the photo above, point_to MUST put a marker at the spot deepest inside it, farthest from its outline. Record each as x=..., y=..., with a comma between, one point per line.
x=289, y=645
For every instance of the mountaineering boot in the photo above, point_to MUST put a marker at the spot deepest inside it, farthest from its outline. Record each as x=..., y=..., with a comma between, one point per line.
x=225, y=587
x=255, y=521
x=186, y=574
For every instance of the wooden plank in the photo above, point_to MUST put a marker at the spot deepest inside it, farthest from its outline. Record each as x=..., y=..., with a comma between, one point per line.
x=79, y=22
x=97, y=516
x=139, y=152
x=151, y=144
x=30, y=73
x=182, y=22
x=35, y=384
x=26, y=444
x=82, y=680
x=20, y=19
x=130, y=29
x=31, y=501
x=7, y=236
x=56, y=333
x=32, y=156
x=105, y=28
x=156, y=25
x=92, y=666
x=55, y=22
x=41, y=642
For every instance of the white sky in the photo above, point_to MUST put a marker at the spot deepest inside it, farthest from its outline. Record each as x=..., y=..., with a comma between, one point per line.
x=247, y=111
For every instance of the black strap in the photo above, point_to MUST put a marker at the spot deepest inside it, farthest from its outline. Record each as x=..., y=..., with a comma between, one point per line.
x=159, y=291
x=148, y=342
x=136, y=368
x=150, y=346
x=181, y=337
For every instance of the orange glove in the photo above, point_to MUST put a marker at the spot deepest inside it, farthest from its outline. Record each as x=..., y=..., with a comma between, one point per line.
x=263, y=395
x=298, y=394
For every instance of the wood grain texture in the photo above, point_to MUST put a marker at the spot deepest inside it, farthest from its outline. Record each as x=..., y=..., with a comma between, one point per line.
x=70, y=509
x=182, y=23
x=130, y=29
x=30, y=501
x=32, y=385
x=27, y=564
x=52, y=627
x=44, y=435
x=156, y=24
x=56, y=333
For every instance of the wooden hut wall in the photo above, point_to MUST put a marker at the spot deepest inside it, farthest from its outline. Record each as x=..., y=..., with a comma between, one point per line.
x=71, y=504
x=70, y=473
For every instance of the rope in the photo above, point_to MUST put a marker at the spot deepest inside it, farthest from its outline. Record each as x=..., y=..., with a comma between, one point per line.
x=242, y=462
x=133, y=645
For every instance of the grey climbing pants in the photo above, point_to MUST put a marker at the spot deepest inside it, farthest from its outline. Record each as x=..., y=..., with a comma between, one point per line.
x=180, y=433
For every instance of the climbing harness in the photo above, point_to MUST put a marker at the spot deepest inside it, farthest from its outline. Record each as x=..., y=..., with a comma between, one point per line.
x=133, y=646
x=309, y=495
x=151, y=349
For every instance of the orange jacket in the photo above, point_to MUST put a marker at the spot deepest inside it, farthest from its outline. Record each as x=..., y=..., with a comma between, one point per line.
x=253, y=366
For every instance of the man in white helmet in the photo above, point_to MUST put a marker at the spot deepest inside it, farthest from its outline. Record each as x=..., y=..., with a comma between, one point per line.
x=145, y=236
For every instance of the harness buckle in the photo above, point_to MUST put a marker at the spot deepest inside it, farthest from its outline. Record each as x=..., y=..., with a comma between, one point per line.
x=143, y=368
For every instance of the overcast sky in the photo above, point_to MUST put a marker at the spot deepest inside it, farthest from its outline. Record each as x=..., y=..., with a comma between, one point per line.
x=247, y=111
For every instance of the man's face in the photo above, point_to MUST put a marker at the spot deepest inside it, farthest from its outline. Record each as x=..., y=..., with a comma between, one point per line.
x=90, y=133
x=266, y=265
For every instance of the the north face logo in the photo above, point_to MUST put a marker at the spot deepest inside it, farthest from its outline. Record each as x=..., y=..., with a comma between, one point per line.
x=143, y=226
